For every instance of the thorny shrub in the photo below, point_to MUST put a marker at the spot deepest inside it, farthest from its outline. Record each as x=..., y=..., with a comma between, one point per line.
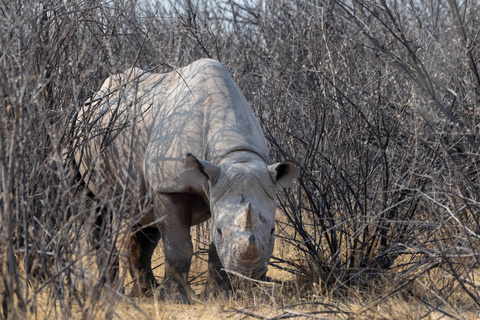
x=376, y=100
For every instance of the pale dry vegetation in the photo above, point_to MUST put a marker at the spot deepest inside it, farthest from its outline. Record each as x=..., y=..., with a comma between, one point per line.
x=376, y=100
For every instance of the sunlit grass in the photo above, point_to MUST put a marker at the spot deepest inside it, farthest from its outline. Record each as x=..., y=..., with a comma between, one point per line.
x=287, y=296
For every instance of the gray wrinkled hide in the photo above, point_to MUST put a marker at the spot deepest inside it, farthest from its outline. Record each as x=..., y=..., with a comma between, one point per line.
x=184, y=146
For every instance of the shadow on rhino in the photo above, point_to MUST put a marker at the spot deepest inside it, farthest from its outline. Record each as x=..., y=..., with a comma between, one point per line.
x=178, y=149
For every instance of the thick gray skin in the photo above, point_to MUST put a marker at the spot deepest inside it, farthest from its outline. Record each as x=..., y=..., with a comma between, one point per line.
x=144, y=134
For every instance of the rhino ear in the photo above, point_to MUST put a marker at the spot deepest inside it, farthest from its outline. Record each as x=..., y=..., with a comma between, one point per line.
x=284, y=172
x=208, y=169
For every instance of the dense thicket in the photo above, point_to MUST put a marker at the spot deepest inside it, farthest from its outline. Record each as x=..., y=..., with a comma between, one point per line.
x=376, y=100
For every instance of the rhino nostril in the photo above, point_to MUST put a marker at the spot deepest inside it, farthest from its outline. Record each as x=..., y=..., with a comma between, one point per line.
x=251, y=238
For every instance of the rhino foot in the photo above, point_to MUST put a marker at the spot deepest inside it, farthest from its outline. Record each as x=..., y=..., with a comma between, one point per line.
x=218, y=282
x=143, y=291
x=215, y=289
x=172, y=289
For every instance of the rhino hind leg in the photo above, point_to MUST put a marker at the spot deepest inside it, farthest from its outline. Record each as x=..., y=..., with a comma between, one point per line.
x=107, y=255
x=218, y=282
x=141, y=247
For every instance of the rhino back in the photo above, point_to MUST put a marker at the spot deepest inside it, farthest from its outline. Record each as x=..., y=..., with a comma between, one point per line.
x=139, y=127
x=205, y=114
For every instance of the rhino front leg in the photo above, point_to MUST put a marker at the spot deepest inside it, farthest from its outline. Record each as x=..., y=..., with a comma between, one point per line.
x=218, y=281
x=174, y=223
x=141, y=246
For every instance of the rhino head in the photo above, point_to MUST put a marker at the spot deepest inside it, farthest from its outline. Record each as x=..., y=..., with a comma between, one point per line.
x=242, y=205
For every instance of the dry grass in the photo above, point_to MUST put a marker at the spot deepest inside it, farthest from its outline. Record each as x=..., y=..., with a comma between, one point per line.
x=291, y=296
x=261, y=305
x=288, y=297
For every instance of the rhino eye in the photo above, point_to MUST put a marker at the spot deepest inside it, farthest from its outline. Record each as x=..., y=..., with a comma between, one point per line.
x=219, y=232
x=272, y=231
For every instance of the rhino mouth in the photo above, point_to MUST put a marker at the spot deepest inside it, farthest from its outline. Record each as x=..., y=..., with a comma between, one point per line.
x=241, y=282
x=240, y=274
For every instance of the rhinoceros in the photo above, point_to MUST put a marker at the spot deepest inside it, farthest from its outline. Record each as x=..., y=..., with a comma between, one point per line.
x=180, y=148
